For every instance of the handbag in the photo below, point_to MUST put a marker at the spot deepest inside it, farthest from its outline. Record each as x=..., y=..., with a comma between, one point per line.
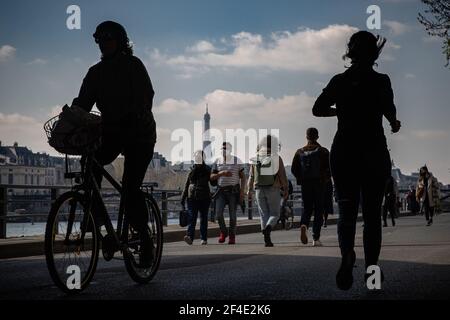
x=184, y=218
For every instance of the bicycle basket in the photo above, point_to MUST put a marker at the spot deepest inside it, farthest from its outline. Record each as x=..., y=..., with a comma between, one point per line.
x=74, y=131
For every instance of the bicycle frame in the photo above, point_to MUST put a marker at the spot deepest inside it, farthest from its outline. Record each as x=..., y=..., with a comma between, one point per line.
x=92, y=190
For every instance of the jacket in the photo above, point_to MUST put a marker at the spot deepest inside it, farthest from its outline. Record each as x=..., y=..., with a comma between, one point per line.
x=432, y=188
x=197, y=184
x=122, y=91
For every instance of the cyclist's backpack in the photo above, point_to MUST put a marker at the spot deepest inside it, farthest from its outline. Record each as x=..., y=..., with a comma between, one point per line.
x=262, y=174
x=74, y=131
x=310, y=164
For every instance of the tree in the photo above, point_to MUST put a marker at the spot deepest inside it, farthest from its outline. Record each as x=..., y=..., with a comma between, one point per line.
x=436, y=19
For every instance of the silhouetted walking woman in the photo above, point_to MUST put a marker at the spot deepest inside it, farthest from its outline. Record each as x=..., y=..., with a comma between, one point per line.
x=120, y=87
x=360, y=160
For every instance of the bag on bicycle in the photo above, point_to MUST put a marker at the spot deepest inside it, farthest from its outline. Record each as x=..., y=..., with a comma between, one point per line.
x=75, y=131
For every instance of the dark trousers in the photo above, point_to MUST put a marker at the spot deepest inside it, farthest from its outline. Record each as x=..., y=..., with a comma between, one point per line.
x=390, y=206
x=429, y=211
x=137, y=157
x=360, y=176
x=194, y=207
x=313, y=198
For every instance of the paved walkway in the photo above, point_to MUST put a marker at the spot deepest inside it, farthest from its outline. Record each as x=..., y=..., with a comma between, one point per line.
x=415, y=259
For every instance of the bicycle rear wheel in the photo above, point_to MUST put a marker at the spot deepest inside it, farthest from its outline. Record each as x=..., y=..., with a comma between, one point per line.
x=71, y=243
x=132, y=241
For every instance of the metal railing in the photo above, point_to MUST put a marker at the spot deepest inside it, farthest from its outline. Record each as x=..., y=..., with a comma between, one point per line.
x=168, y=201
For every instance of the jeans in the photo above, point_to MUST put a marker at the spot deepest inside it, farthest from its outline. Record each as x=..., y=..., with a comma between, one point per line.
x=232, y=199
x=194, y=207
x=268, y=199
x=313, y=200
x=360, y=174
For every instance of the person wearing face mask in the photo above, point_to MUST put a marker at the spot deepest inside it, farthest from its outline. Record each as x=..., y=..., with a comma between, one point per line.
x=120, y=87
x=197, y=193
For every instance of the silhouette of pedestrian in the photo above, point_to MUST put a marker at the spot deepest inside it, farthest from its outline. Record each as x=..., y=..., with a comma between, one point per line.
x=359, y=158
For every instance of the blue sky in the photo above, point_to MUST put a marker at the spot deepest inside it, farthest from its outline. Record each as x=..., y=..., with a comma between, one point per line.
x=257, y=63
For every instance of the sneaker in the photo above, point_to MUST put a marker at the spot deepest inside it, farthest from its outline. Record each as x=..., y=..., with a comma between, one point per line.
x=430, y=222
x=232, y=240
x=222, y=237
x=204, y=242
x=303, y=235
x=267, y=239
x=188, y=240
x=325, y=225
x=317, y=243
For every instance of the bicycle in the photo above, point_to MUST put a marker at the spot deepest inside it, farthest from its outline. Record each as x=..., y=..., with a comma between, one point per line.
x=73, y=238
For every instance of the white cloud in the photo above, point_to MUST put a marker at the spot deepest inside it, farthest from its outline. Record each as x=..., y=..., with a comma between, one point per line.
x=202, y=46
x=230, y=106
x=396, y=28
x=304, y=50
x=388, y=52
x=410, y=76
x=431, y=134
x=7, y=52
x=25, y=130
x=38, y=61
x=290, y=114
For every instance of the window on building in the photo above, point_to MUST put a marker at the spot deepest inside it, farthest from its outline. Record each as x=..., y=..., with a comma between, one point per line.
x=10, y=178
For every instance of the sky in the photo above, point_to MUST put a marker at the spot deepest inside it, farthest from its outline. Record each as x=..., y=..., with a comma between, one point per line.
x=257, y=63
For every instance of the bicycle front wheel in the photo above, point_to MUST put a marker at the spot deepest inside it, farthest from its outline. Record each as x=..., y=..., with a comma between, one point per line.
x=132, y=241
x=71, y=243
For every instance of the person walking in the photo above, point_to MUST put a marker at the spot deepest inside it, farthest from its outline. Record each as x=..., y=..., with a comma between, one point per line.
x=228, y=171
x=427, y=193
x=390, y=201
x=311, y=168
x=198, y=195
x=267, y=177
x=359, y=158
x=413, y=205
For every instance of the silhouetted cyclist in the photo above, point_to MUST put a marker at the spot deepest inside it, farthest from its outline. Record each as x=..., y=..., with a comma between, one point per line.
x=121, y=88
x=360, y=160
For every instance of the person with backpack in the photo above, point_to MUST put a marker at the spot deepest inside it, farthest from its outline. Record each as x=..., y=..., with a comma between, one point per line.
x=311, y=168
x=267, y=177
x=360, y=162
x=198, y=195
